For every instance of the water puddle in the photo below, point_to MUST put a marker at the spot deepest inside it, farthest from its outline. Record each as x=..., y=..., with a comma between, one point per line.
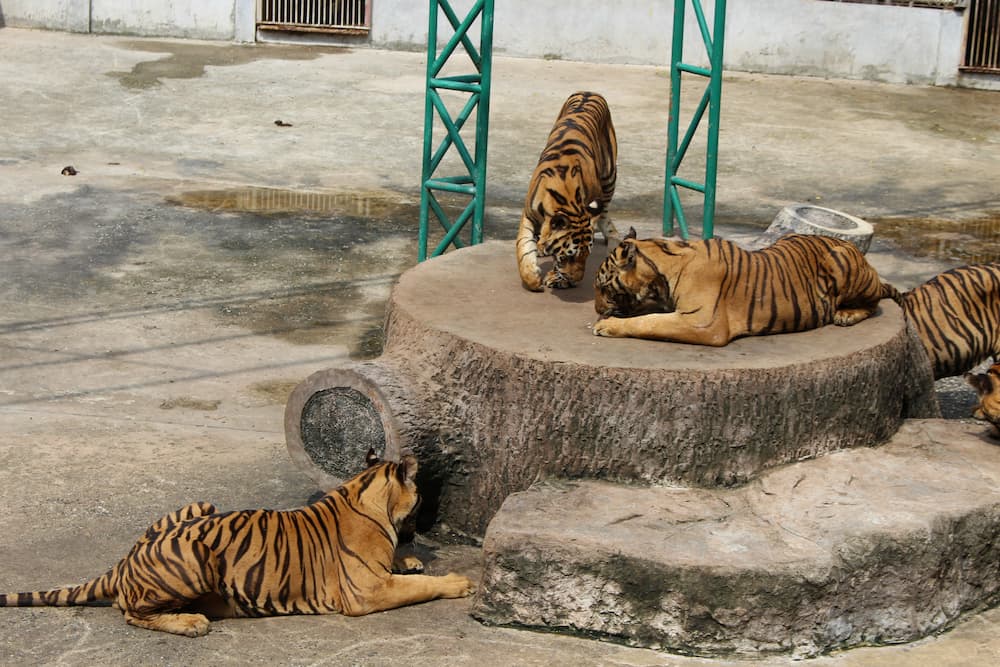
x=951, y=241
x=187, y=60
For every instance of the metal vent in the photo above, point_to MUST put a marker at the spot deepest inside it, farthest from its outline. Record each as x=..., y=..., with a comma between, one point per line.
x=982, y=37
x=333, y=16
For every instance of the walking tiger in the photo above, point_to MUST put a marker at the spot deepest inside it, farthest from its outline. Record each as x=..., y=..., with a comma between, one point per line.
x=334, y=555
x=568, y=194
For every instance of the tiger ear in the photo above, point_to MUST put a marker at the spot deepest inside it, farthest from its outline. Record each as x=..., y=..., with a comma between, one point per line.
x=594, y=206
x=371, y=458
x=407, y=470
x=628, y=251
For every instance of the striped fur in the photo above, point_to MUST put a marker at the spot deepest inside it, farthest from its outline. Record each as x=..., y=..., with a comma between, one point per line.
x=957, y=315
x=710, y=292
x=335, y=555
x=568, y=194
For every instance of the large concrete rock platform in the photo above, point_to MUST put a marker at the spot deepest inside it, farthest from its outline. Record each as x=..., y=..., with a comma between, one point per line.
x=867, y=546
x=492, y=386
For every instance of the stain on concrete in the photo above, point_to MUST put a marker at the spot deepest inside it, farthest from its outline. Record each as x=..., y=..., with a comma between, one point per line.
x=373, y=204
x=190, y=403
x=952, y=241
x=275, y=392
x=188, y=60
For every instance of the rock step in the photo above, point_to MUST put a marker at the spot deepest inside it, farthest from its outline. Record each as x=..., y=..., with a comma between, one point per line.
x=864, y=546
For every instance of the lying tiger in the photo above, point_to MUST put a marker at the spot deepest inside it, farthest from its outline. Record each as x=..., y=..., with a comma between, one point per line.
x=987, y=386
x=335, y=555
x=568, y=194
x=710, y=292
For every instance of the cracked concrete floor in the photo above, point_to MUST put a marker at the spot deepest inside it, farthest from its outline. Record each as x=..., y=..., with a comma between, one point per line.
x=157, y=308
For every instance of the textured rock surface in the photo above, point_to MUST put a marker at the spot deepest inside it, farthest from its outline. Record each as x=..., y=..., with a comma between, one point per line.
x=862, y=546
x=493, y=386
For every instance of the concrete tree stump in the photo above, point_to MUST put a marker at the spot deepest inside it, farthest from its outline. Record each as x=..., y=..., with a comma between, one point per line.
x=818, y=221
x=493, y=387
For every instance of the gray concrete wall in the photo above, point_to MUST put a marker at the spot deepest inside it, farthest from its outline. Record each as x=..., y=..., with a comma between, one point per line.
x=806, y=37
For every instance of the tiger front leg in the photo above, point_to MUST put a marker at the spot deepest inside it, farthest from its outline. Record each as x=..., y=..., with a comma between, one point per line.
x=527, y=256
x=400, y=590
x=674, y=327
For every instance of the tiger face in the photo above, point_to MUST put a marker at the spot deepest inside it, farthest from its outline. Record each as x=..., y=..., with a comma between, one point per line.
x=568, y=236
x=624, y=289
x=987, y=386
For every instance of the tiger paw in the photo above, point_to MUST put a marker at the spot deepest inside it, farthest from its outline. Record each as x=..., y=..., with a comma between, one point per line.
x=609, y=327
x=556, y=280
x=407, y=565
x=456, y=586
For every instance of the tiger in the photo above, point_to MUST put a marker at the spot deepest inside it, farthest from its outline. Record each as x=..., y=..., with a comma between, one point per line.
x=335, y=555
x=987, y=386
x=568, y=194
x=957, y=316
x=712, y=291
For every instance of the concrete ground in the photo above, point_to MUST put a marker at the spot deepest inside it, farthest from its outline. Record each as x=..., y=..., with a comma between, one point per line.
x=157, y=307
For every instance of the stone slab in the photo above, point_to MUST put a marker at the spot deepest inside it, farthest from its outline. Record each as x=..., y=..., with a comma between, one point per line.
x=867, y=546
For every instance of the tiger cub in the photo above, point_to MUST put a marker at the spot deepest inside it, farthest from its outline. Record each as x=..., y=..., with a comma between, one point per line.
x=335, y=555
x=710, y=292
x=957, y=316
x=568, y=194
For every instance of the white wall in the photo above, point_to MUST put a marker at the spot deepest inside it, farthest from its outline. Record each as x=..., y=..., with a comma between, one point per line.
x=808, y=37
x=69, y=15
x=200, y=19
x=849, y=40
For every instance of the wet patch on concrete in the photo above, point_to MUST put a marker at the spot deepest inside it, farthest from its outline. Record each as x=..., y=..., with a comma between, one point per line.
x=315, y=269
x=188, y=60
x=951, y=241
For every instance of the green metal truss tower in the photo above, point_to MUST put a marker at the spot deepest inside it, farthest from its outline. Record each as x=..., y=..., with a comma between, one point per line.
x=711, y=100
x=471, y=181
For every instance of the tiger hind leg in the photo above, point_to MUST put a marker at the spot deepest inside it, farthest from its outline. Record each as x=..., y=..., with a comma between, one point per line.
x=188, y=625
x=846, y=317
x=607, y=228
x=164, y=577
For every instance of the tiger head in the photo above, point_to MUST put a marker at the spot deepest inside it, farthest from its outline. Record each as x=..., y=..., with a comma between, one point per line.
x=392, y=486
x=987, y=385
x=625, y=286
x=568, y=233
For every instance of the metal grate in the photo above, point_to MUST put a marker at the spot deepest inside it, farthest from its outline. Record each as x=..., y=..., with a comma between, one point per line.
x=334, y=16
x=982, y=37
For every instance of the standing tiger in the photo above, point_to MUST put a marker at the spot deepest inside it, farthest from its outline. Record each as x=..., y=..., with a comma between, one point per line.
x=569, y=193
x=335, y=555
x=710, y=292
x=957, y=315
